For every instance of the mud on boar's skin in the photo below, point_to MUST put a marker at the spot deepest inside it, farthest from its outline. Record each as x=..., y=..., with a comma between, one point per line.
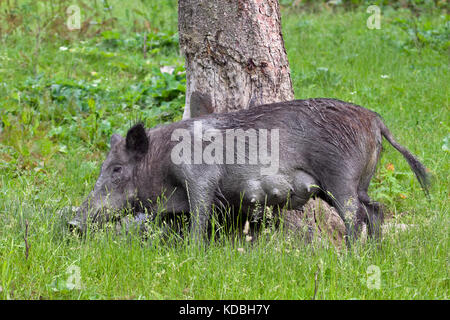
x=326, y=147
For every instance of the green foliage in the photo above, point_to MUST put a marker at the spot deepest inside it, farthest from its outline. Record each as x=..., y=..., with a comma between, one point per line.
x=389, y=185
x=320, y=76
x=418, y=6
x=422, y=32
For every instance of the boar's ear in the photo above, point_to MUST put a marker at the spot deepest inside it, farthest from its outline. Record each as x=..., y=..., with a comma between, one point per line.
x=115, y=138
x=137, y=140
x=200, y=104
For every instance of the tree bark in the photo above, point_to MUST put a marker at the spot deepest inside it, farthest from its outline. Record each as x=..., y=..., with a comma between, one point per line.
x=234, y=51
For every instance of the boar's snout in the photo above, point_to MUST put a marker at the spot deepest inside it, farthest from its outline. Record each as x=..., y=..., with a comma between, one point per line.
x=77, y=225
x=90, y=213
x=79, y=222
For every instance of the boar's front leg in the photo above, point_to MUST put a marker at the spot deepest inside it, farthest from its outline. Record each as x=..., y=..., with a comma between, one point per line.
x=200, y=189
x=200, y=206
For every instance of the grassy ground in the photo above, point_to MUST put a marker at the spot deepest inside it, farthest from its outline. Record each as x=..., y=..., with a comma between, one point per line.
x=64, y=94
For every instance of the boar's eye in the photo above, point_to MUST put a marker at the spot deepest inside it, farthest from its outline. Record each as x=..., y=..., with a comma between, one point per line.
x=117, y=169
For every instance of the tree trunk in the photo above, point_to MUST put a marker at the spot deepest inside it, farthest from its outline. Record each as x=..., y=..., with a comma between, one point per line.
x=235, y=52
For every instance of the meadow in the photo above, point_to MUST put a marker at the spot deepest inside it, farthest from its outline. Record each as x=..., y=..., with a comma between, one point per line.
x=63, y=93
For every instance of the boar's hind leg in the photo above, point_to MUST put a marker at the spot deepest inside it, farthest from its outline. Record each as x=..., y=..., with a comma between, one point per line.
x=350, y=209
x=374, y=215
x=373, y=210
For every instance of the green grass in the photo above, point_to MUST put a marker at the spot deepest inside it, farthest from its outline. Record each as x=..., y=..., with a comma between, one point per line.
x=59, y=107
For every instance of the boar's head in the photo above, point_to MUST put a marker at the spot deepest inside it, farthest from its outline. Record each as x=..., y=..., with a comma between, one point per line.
x=115, y=188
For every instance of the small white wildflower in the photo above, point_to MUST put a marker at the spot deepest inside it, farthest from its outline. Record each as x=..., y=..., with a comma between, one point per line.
x=241, y=250
x=62, y=48
x=385, y=76
x=167, y=69
x=353, y=92
x=248, y=238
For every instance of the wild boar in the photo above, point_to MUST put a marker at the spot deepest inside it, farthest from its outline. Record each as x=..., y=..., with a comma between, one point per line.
x=284, y=154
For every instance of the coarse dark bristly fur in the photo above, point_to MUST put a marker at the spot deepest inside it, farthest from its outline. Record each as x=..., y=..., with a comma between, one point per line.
x=327, y=147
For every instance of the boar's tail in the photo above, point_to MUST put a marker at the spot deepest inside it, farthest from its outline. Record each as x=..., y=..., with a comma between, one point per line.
x=417, y=167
